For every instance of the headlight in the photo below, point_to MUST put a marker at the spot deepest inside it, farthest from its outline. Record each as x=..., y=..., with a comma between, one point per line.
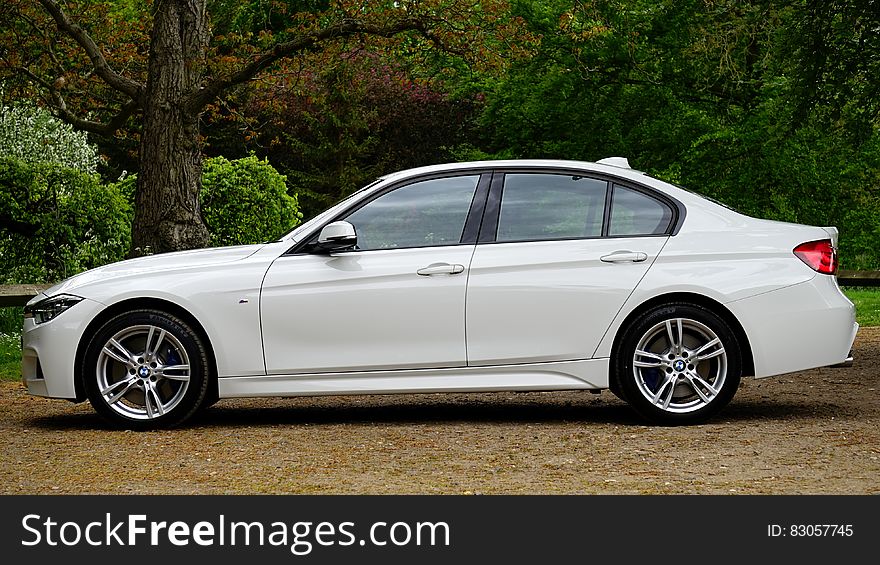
x=45, y=310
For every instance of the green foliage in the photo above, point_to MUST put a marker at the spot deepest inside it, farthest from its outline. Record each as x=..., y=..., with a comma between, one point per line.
x=246, y=201
x=771, y=108
x=57, y=222
x=353, y=120
x=33, y=135
x=867, y=301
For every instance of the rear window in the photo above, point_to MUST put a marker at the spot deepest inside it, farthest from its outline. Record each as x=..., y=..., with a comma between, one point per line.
x=636, y=213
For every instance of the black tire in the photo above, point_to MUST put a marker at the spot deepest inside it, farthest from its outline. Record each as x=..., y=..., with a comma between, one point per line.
x=667, y=387
x=151, y=389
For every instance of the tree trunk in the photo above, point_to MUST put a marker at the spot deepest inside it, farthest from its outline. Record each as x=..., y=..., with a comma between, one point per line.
x=167, y=213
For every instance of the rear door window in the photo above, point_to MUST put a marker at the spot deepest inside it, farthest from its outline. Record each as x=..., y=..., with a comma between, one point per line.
x=538, y=207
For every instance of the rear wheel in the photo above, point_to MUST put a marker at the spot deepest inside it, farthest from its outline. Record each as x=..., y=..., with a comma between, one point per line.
x=678, y=364
x=146, y=369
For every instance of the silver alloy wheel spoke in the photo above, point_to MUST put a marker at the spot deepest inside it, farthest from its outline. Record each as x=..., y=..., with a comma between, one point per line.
x=150, y=352
x=162, y=371
x=151, y=397
x=656, y=360
x=701, y=355
x=126, y=358
x=696, y=388
x=674, y=344
x=126, y=385
x=695, y=376
x=148, y=402
x=670, y=380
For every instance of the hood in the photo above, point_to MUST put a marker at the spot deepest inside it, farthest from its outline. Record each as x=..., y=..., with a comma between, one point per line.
x=176, y=261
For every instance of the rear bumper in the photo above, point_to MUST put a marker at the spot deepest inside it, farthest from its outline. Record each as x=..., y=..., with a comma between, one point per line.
x=848, y=362
x=803, y=326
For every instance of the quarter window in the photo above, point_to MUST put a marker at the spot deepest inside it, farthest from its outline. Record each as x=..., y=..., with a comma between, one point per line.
x=423, y=214
x=550, y=206
x=636, y=213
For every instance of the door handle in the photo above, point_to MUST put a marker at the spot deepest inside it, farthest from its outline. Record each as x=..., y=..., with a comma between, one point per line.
x=440, y=269
x=624, y=257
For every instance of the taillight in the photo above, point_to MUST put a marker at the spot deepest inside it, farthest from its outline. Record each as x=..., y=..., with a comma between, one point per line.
x=818, y=255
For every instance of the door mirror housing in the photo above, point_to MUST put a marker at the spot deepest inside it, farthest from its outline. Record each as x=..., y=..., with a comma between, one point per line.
x=336, y=236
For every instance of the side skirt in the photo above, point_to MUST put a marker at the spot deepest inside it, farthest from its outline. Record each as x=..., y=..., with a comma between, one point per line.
x=564, y=375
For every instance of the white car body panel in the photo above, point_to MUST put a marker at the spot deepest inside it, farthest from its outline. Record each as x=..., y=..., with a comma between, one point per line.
x=520, y=316
x=798, y=327
x=340, y=312
x=548, y=300
x=570, y=375
x=219, y=287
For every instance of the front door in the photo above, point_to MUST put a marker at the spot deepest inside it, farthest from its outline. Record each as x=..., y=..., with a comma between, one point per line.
x=396, y=302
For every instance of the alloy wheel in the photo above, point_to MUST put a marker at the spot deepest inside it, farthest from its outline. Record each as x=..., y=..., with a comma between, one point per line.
x=680, y=365
x=143, y=372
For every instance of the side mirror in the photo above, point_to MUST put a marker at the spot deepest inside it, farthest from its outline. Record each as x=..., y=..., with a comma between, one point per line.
x=336, y=236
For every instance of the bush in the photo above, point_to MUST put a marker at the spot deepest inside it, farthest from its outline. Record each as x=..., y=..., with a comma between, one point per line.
x=57, y=222
x=246, y=201
x=33, y=135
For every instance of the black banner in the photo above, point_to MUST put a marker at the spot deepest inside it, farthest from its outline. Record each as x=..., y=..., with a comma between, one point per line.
x=435, y=529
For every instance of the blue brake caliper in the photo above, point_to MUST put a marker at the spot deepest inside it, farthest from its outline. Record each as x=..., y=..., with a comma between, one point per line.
x=652, y=378
x=171, y=357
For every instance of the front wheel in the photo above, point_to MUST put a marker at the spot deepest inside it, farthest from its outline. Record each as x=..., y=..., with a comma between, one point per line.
x=678, y=364
x=145, y=370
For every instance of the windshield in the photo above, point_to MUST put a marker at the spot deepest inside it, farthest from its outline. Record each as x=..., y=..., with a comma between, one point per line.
x=297, y=232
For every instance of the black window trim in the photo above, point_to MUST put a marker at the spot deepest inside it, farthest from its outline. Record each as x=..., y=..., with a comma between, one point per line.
x=473, y=220
x=489, y=228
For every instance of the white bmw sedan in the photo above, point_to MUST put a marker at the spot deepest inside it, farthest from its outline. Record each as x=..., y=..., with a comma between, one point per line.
x=468, y=277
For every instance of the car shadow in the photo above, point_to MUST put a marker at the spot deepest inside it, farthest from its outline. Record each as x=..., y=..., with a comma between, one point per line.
x=589, y=411
x=433, y=412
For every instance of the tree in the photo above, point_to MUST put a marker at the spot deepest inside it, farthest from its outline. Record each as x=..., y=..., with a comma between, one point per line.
x=185, y=68
x=353, y=121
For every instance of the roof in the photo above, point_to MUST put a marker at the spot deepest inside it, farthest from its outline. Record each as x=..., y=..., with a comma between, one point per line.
x=611, y=165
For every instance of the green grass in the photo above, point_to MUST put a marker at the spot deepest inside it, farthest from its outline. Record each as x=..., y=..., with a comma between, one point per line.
x=10, y=357
x=867, y=301
x=10, y=346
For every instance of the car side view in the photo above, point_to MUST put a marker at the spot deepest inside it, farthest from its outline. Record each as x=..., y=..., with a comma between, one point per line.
x=527, y=275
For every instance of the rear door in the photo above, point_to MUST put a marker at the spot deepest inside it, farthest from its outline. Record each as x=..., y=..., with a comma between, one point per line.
x=559, y=254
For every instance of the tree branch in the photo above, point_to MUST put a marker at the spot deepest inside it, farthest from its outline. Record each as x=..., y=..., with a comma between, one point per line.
x=197, y=100
x=107, y=129
x=57, y=102
x=102, y=68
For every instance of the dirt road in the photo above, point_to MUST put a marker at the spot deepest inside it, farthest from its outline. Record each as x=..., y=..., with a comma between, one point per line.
x=811, y=432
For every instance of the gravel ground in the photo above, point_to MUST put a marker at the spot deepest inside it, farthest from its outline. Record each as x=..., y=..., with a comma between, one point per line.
x=812, y=432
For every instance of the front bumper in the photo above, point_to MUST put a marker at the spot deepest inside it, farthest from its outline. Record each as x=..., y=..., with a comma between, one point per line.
x=48, y=351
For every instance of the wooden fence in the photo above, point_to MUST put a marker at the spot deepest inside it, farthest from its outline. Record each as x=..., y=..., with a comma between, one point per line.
x=19, y=294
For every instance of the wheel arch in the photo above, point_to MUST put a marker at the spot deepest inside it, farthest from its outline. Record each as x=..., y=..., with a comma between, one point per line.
x=140, y=304
x=748, y=360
